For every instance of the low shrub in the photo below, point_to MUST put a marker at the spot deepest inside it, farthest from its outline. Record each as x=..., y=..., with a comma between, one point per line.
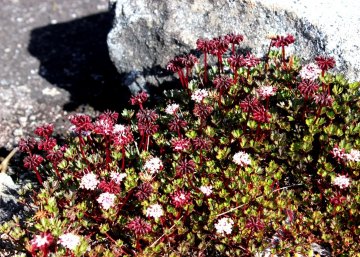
x=249, y=155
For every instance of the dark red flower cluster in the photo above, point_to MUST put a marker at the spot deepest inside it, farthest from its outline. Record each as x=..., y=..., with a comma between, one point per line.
x=104, y=126
x=82, y=123
x=325, y=63
x=185, y=166
x=234, y=38
x=122, y=135
x=255, y=224
x=180, y=144
x=139, y=99
x=181, y=62
x=47, y=144
x=251, y=60
x=281, y=41
x=139, y=226
x=180, y=198
x=54, y=156
x=176, y=124
x=201, y=143
x=45, y=130
x=260, y=114
x=143, y=191
x=110, y=187
x=223, y=83
x=323, y=99
x=308, y=88
x=249, y=103
x=202, y=110
x=33, y=161
x=27, y=145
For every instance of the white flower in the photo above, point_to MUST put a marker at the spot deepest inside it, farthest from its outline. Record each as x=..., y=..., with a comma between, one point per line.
x=207, y=190
x=224, y=226
x=69, y=241
x=117, y=177
x=241, y=158
x=354, y=155
x=153, y=165
x=199, y=95
x=89, y=181
x=339, y=153
x=172, y=109
x=106, y=200
x=266, y=91
x=341, y=181
x=41, y=240
x=154, y=211
x=310, y=71
x=118, y=128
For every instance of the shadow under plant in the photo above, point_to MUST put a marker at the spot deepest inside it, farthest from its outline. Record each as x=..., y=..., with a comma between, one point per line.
x=73, y=55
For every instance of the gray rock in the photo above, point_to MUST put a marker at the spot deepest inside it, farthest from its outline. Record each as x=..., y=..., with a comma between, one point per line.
x=8, y=200
x=147, y=34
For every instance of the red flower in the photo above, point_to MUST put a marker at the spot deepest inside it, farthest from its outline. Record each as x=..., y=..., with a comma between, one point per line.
x=180, y=198
x=54, y=156
x=45, y=130
x=185, y=166
x=113, y=116
x=139, y=99
x=255, y=224
x=122, y=135
x=147, y=116
x=249, y=103
x=47, y=144
x=82, y=122
x=144, y=191
x=220, y=46
x=325, y=63
x=323, y=99
x=236, y=61
x=139, y=226
x=147, y=128
x=180, y=144
x=176, y=124
x=104, y=125
x=234, y=38
x=189, y=61
x=176, y=64
x=251, y=60
x=110, y=187
x=42, y=242
x=202, y=110
x=201, y=143
x=32, y=161
x=26, y=145
x=281, y=41
x=308, y=88
x=223, y=83
x=204, y=45
x=261, y=115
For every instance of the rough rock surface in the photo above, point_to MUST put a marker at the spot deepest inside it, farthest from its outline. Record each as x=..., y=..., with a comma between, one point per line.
x=147, y=34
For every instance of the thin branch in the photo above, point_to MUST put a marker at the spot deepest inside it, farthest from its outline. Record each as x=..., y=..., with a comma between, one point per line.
x=238, y=207
x=4, y=164
x=157, y=240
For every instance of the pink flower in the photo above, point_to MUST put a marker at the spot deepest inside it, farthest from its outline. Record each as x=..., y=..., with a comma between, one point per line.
x=341, y=181
x=338, y=153
x=354, y=155
x=104, y=126
x=139, y=226
x=106, y=200
x=69, y=241
x=180, y=198
x=199, y=95
x=224, y=226
x=206, y=190
x=266, y=91
x=154, y=211
x=122, y=135
x=241, y=158
x=310, y=72
x=172, y=109
x=180, y=144
x=89, y=181
x=117, y=177
x=153, y=165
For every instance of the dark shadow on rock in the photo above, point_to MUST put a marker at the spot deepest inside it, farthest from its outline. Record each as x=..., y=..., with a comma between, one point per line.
x=74, y=56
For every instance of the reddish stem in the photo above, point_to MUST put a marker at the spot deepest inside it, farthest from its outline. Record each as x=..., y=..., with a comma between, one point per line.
x=123, y=158
x=38, y=175
x=205, y=67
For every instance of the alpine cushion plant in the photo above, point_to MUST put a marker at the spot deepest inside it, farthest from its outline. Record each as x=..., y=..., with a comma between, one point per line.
x=249, y=155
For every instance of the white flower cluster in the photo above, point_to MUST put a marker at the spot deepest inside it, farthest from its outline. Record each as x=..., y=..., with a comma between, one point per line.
x=119, y=128
x=342, y=181
x=241, y=158
x=69, y=241
x=199, y=95
x=106, y=200
x=153, y=165
x=172, y=109
x=224, y=226
x=154, y=211
x=117, y=177
x=206, y=190
x=310, y=71
x=340, y=154
x=89, y=181
x=266, y=91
